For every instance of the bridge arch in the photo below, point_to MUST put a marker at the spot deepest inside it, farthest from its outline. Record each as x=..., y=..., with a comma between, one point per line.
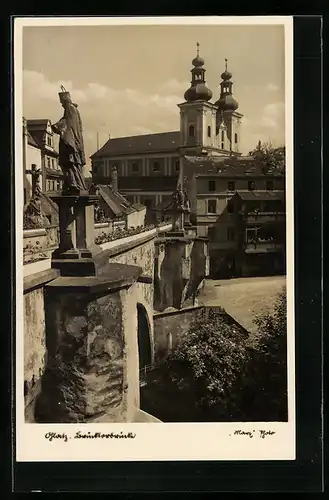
x=144, y=338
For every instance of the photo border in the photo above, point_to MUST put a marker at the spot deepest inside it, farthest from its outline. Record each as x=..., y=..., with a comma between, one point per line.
x=308, y=301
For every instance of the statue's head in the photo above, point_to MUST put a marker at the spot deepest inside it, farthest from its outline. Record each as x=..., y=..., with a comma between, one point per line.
x=64, y=97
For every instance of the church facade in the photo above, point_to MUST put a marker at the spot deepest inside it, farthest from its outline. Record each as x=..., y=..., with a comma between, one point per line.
x=207, y=149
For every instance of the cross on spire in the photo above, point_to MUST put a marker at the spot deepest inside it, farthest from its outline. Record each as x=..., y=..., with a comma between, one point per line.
x=197, y=47
x=225, y=64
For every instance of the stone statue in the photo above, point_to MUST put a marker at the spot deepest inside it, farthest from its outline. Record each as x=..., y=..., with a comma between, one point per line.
x=71, y=146
x=186, y=202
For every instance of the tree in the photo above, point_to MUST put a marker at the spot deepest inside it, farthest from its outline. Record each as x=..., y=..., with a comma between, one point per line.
x=271, y=159
x=202, y=370
x=265, y=391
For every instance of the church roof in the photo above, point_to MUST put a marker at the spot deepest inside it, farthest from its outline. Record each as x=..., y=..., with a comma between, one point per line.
x=236, y=166
x=164, y=141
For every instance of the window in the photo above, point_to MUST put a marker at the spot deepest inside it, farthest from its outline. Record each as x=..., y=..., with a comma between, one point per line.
x=212, y=185
x=209, y=131
x=212, y=206
x=156, y=166
x=53, y=163
x=48, y=162
x=231, y=186
x=269, y=185
x=177, y=165
x=191, y=131
x=222, y=145
x=236, y=138
x=134, y=167
x=230, y=207
x=222, y=135
x=217, y=130
x=49, y=140
x=230, y=234
x=58, y=185
x=251, y=185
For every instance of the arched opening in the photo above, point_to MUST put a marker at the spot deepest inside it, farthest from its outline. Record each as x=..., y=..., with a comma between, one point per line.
x=144, y=343
x=191, y=131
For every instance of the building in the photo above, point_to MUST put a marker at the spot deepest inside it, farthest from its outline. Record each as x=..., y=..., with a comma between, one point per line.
x=32, y=161
x=203, y=155
x=42, y=134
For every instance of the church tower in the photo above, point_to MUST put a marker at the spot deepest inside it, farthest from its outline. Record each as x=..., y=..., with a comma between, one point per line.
x=227, y=116
x=197, y=114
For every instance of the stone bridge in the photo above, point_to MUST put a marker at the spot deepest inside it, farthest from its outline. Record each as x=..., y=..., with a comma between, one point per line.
x=86, y=338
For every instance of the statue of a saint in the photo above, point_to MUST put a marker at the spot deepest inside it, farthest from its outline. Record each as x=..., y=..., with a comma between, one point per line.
x=71, y=147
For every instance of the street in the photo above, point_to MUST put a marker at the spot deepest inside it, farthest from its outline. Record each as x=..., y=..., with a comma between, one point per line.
x=243, y=298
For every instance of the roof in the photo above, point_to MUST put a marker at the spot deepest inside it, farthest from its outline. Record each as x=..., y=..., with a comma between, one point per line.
x=236, y=166
x=31, y=141
x=138, y=206
x=115, y=201
x=38, y=123
x=261, y=195
x=165, y=141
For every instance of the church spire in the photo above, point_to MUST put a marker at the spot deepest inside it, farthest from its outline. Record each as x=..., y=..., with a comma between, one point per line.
x=198, y=90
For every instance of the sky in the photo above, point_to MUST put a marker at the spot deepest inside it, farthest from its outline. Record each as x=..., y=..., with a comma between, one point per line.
x=128, y=80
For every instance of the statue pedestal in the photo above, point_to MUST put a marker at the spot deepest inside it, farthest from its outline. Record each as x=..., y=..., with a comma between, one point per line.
x=77, y=248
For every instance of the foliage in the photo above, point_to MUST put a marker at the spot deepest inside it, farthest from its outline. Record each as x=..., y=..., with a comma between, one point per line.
x=265, y=393
x=33, y=253
x=272, y=159
x=203, y=369
x=124, y=233
x=215, y=374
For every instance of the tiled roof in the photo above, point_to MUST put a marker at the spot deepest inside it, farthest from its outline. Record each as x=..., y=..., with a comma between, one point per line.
x=165, y=141
x=115, y=201
x=242, y=166
x=261, y=195
x=32, y=141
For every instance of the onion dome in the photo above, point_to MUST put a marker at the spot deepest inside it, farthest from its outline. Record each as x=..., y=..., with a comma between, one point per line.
x=226, y=101
x=198, y=90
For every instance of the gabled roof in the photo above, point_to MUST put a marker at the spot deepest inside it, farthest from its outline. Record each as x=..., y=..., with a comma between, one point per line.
x=31, y=141
x=228, y=166
x=115, y=201
x=165, y=141
x=38, y=123
x=261, y=195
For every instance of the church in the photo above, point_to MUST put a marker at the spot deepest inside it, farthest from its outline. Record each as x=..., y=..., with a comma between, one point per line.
x=207, y=150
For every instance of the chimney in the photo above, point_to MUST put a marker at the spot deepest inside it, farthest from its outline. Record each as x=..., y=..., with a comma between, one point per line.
x=114, y=178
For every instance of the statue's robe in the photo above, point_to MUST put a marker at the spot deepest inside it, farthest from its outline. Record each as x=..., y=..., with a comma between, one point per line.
x=71, y=148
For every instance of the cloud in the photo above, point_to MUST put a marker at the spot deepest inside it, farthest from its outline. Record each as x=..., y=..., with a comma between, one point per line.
x=271, y=87
x=104, y=110
x=273, y=115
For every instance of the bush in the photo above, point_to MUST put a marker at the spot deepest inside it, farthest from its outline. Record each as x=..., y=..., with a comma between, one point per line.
x=265, y=393
x=215, y=375
x=202, y=370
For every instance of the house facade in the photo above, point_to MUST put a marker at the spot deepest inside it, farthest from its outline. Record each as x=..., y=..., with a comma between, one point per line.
x=42, y=134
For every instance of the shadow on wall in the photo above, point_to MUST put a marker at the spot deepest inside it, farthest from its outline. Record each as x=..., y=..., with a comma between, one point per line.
x=173, y=275
x=144, y=342
x=198, y=268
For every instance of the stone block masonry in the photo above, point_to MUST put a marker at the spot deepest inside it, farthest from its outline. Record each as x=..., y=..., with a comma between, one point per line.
x=86, y=376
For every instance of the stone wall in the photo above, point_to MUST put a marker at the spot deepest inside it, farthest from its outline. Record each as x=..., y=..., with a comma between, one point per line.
x=35, y=353
x=103, y=227
x=169, y=327
x=180, y=267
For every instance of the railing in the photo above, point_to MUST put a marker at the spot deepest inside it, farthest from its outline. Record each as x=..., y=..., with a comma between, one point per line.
x=144, y=371
x=262, y=246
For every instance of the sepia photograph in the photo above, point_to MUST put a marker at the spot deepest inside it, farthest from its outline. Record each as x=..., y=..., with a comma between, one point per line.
x=152, y=200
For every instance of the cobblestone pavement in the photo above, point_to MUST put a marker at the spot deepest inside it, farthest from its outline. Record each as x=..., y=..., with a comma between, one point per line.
x=243, y=298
